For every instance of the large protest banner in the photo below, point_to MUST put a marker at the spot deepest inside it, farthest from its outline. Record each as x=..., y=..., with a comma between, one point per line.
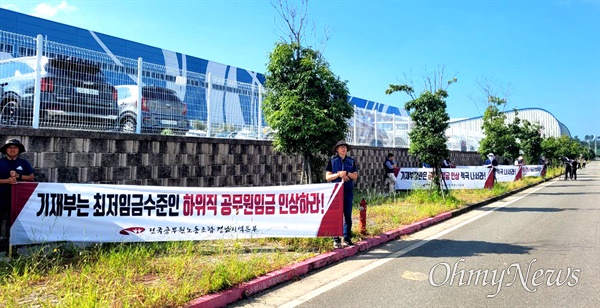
x=508, y=173
x=534, y=170
x=50, y=212
x=467, y=178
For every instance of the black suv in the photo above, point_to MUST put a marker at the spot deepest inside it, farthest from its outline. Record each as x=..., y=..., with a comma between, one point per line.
x=74, y=93
x=161, y=109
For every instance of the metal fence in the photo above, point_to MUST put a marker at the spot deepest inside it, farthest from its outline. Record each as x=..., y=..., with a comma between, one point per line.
x=52, y=85
x=373, y=128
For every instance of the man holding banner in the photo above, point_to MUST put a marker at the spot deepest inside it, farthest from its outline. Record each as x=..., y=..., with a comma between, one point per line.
x=13, y=169
x=491, y=162
x=342, y=168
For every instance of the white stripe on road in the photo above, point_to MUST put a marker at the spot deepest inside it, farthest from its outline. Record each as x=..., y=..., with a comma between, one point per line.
x=308, y=296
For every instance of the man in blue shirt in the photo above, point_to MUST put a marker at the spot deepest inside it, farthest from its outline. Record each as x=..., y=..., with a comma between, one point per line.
x=12, y=170
x=342, y=168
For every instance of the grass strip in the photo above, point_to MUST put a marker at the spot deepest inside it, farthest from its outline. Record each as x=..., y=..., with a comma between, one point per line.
x=170, y=274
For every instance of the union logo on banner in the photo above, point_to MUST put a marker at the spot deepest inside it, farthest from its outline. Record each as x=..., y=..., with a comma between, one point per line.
x=132, y=230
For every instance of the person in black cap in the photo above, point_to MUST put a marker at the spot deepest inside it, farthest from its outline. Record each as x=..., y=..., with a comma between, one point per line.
x=389, y=166
x=568, y=170
x=12, y=170
x=342, y=168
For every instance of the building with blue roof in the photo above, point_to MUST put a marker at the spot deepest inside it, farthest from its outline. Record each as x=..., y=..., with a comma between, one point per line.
x=224, y=95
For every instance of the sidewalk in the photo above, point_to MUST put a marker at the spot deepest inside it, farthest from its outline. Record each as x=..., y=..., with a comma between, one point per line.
x=295, y=270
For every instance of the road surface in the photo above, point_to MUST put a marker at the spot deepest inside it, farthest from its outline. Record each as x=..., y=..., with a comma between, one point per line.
x=539, y=247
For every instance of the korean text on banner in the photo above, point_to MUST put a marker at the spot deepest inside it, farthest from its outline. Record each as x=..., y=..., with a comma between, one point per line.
x=49, y=212
x=534, y=170
x=419, y=178
x=507, y=173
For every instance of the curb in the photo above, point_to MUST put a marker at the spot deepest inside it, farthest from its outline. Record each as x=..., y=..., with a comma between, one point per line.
x=290, y=272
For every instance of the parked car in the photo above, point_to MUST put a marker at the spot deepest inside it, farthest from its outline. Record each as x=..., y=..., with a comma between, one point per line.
x=161, y=109
x=74, y=93
x=376, y=143
x=196, y=133
x=246, y=134
x=225, y=135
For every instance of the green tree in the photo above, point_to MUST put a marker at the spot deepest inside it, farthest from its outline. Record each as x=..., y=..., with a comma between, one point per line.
x=551, y=149
x=557, y=148
x=530, y=140
x=430, y=118
x=587, y=139
x=305, y=103
x=590, y=154
x=499, y=138
x=515, y=129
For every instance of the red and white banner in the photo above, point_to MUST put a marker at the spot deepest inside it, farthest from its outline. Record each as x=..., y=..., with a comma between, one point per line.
x=467, y=178
x=534, y=170
x=50, y=212
x=508, y=173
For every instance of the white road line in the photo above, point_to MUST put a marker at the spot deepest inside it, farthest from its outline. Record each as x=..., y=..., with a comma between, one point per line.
x=308, y=296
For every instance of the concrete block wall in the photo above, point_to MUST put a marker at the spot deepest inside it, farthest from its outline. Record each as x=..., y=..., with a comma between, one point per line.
x=112, y=158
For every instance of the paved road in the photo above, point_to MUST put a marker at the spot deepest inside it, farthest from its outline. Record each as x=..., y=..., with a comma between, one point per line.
x=540, y=247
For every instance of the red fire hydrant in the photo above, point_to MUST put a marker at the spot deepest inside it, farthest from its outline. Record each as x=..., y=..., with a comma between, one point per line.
x=362, y=223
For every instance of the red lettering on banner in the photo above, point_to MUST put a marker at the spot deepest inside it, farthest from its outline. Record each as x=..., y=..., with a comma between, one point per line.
x=301, y=203
x=265, y=206
x=199, y=204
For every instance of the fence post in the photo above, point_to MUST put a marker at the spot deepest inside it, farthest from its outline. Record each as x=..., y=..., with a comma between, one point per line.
x=138, y=116
x=38, y=82
x=260, y=136
x=355, y=128
x=208, y=90
x=376, y=136
x=394, y=130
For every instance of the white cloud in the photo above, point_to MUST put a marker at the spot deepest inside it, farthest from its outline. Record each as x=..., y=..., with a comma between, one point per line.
x=45, y=10
x=11, y=7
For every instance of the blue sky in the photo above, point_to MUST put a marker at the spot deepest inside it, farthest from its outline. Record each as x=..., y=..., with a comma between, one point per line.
x=545, y=53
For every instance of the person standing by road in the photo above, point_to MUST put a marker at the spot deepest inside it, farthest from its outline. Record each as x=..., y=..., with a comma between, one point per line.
x=447, y=163
x=519, y=161
x=342, y=168
x=568, y=169
x=389, y=166
x=574, y=167
x=13, y=169
x=491, y=162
